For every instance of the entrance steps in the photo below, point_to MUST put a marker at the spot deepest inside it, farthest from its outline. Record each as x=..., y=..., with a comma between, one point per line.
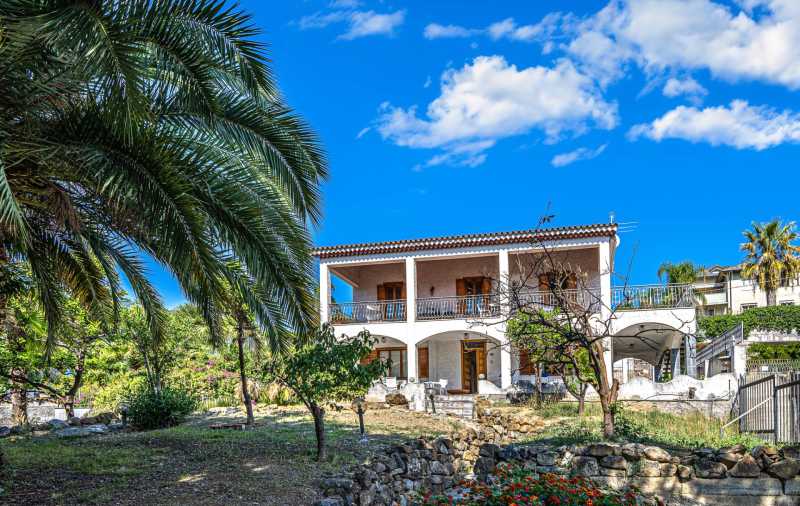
x=462, y=406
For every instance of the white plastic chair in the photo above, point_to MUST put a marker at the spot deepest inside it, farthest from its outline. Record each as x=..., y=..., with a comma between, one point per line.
x=391, y=383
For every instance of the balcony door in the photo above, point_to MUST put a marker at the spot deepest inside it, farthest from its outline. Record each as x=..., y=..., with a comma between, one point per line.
x=393, y=300
x=473, y=293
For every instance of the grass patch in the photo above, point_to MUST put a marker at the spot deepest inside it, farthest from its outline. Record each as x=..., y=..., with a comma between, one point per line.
x=651, y=427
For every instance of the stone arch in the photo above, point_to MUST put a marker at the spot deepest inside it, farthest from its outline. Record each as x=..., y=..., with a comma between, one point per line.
x=645, y=341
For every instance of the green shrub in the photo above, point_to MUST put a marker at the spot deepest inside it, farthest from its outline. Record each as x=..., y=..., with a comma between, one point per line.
x=148, y=410
x=109, y=396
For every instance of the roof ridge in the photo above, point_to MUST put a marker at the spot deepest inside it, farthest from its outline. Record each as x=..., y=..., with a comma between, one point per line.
x=588, y=230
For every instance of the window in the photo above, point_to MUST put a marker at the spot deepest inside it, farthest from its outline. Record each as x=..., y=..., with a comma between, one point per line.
x=748, y=306
x=787, y=303
x=709, y=311
x=399, y=357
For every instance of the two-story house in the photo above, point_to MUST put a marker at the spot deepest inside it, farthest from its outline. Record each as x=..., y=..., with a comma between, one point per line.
x=430, y=303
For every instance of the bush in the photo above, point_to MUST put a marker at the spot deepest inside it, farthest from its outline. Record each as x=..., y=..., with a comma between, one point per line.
x=517, y=485
x=148, y=410
x=111, y=395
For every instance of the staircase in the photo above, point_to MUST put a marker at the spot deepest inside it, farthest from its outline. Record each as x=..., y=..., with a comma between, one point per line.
x=462, y=406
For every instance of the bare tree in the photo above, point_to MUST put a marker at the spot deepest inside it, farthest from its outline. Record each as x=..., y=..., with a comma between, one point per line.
x=553, y=306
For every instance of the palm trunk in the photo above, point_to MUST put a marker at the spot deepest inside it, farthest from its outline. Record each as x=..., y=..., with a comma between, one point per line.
x=19, y=400
x=242, y=374
x=319, y=429
x=772, y=298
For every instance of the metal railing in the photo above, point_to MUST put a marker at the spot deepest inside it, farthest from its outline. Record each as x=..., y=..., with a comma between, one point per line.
x=547, y=300
x=774, y=365
x=455, y=308
x=368, y=312
x=722, y=344
x=643, y=297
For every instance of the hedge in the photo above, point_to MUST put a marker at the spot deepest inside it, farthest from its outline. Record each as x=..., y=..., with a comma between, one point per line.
x=778, y=318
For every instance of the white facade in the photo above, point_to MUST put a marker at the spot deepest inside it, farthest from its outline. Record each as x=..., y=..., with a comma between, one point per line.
x=725, y=291
x=414, y=297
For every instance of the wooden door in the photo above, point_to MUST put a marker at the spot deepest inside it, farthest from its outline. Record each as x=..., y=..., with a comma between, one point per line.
x=394, y=294
x=422, y=365
x=472, y=351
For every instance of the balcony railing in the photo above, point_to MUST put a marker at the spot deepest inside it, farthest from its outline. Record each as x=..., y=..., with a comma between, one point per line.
x=630, y=298
x=643, y=297
x=546, y=299
x=456, y=308
x=368, y=312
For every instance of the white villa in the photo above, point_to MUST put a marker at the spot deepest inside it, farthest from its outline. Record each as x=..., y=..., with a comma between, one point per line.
x=725, y=291
x=430, y=304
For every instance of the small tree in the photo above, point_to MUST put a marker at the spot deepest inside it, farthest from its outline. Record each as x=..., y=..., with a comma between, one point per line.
x=326, y=371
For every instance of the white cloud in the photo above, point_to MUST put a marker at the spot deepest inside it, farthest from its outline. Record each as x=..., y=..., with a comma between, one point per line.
x=490, y=99
x=577, y=155
x=739, y=125
x=689, y=87
x=428, y=82
x=361, y=133
x=345, y=4
x=505, y=29
x=367, y=23
x=359, y=23
x=437, y=31
x=758, y=41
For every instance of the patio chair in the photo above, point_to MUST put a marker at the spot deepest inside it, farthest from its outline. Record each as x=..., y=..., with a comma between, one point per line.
x=391, y=382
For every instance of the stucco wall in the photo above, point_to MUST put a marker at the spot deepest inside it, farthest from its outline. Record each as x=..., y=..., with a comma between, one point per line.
x=444, y=358
x=368, y=277
x=441, y=275
x=744, y=291
x=579, y=260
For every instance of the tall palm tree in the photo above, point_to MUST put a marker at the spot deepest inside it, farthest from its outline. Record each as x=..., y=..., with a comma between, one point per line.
x=771, y=259
x=155, y=127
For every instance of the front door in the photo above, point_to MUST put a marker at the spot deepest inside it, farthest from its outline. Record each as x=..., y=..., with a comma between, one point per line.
x=473, y=364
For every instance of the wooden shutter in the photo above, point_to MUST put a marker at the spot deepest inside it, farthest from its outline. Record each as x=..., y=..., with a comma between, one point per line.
x=544, y=282
x=381, y=292
x=461, y=288
x=572, y=281
x=486, y=286
x=403, y=291
x=422, y=365
x=525, y=365
x=481, y=354
x=366, y=359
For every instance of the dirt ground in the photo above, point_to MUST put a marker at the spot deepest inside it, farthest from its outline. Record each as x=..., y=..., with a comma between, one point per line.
x=271, y=464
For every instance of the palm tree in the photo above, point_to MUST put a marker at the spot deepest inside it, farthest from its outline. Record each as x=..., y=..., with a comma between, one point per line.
x=153, y=127
x=681, y=273
x=771, y=259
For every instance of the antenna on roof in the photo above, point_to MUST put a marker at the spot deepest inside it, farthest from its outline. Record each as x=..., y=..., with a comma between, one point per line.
x=611, y=217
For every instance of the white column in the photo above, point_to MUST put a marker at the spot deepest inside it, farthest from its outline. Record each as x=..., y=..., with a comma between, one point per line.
x=604, y=268
x=675, y=361
x=411, y=291
x=626, y=366
x=411, y=364
x=505, y=347
x=505, y=365
x=739, y=360
x=324, y=291
x=706, y=368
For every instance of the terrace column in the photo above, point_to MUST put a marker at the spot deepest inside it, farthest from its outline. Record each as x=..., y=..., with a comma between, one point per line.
x=675, y=361
x=505, y=346
x=604, y=268
x=691, y=354
x=411, y=317
x=324, y=292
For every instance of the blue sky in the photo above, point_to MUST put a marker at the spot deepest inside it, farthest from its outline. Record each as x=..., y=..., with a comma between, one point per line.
x=446, y=117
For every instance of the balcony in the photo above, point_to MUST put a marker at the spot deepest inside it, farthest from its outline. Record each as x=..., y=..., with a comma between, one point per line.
x=628, y=298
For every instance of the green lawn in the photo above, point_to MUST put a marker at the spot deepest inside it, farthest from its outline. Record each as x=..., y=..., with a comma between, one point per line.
x=192, y=464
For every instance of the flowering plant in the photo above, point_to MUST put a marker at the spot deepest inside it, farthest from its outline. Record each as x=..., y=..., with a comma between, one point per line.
x=513, y=485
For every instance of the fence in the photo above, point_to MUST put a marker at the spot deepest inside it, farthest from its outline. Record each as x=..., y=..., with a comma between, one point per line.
x=770, y=407
x=774, y=365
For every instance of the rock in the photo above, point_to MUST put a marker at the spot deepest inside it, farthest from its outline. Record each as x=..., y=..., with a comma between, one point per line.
x=74, y=420
x=632, y=451
x=484, y=466
x=707, y=468
x=105, y=417
x=657, y=454
x=98, y=428
x=72, y=432
x=747, y=467
x=396, y=399
x=667, y=470
x=330, y=501
x=599, y=450
x=546, y=459
x=614, y=462
x=785, y=469
x=730, y=459
x=791, y=452
x=56, y=424
x=5, y=431
x=585, y=466
x=649, y=468
x=685, y=473
x=337, y=484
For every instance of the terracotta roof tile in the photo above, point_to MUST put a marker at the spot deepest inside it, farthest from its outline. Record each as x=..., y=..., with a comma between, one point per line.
x=468, y=240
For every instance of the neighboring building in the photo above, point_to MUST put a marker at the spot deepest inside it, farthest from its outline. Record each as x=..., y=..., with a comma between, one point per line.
x=430, y=304
x=725, y=291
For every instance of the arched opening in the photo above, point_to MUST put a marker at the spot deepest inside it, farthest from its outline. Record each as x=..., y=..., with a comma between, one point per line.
x=462, y=362
x=658, y=345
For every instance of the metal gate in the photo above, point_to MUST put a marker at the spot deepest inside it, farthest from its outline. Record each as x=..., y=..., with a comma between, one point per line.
x=770, y=407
